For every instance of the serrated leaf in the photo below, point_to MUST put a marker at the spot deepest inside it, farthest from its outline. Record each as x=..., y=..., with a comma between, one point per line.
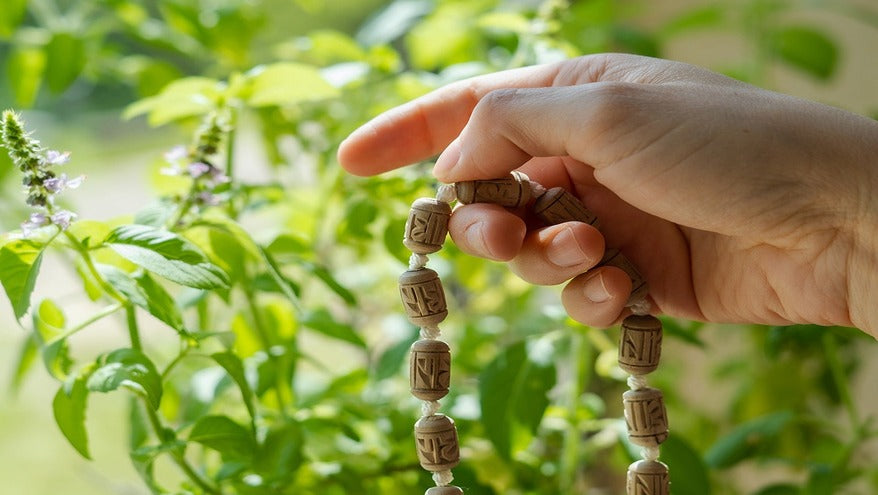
x=807, y=49
x=225, y=436
x=513, y=394
x=19, y=266
x=145, y=292
x=288, y=83
x=131, y=369
x=747, y=439
x=235, y=368
x=322, y=321
x=167, y=254
x=68, y=407
x=65, y=58
x=689, y=471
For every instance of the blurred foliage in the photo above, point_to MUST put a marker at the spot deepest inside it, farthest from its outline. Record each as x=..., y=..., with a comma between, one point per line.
x=287, y=372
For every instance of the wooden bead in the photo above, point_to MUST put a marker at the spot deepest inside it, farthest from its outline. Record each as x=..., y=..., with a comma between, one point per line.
x=640, y=344
x=444, y=490
x=436, y=442
x=430, y=369
x=639, y=287
x=511, y=192
x=648, y=478
x=423, y=297
x=646, y=417
x=427, y=226
x=558, y=206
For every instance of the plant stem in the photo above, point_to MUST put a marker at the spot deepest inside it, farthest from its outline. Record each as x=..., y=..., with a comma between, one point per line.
x=83, y=324
x=833, y=359
x=281, y=388
x=178, y=457
x=92, y=269
x=133, y=329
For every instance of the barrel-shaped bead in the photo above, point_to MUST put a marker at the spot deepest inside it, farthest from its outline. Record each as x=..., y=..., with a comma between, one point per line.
x=512, y=191
x=430, y=369
x=640, y=344
x=436, y=442
x=558, y=206
x=444, y=490
x=423, y=297
x=639, y=287
x=648, y=478
x=427, y=226
x=645, y=416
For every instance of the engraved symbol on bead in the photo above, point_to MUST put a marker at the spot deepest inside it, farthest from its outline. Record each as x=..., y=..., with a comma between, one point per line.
x=648, y=478
x=640, y=344
x=423, y=296
x=430, y=371
x=645, y=417
x=427, y=226
x=436, y=439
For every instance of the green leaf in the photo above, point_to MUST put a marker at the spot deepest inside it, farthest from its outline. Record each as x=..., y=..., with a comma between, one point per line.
x=780, y=489
x=288, y=83
x=11, y=16
x=144, y=458
x=131, y=369
x=281, y=453
x=391, y=360
x=322, y=321
x=225, y=436
x=747, y=439
x=806, y=49
x=327, y=278
x=696, y=18
x=688, y=469
x=68, y=406
x=168, y=255
x=27, y=356
x=26, y=68
x=145, y=292
x=235, y=368
x=19, y=266
x=513, y=394
x=65, y=60
x=49, y=323
x=187, y=97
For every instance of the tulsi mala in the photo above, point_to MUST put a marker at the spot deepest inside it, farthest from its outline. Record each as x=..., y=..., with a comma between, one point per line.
x=430, y=361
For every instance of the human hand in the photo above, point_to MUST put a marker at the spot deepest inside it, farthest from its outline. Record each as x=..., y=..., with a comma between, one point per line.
x=736, y=203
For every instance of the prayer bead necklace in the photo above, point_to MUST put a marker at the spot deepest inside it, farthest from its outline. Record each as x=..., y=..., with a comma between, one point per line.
x=430, y=360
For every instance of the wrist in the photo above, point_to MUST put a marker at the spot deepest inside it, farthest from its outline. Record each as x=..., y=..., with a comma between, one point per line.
x=863, y=229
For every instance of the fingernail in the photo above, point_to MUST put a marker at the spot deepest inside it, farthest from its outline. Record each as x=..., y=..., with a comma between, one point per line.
x=447, y=161
x=564, y=250
x=475, y=237
x=595, y=290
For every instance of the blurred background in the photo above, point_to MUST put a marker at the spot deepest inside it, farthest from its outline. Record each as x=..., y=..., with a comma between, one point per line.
x=754, y=410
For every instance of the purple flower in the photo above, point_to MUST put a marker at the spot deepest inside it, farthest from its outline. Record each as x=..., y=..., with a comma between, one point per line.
x=176, y=154
x=57, y=158
x=63, y=218
x=208, y=199
x=197, y=169
x=35, y=221
x=58, y=184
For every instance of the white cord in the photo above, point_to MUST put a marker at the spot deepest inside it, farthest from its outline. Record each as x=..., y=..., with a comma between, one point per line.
x=430, y=333
x=418, y=261
x=429, y=407
x=446, y=193
x=443, y=478
x=650, y=453
x=641, y=306
x=536, y=189
x=637, y=382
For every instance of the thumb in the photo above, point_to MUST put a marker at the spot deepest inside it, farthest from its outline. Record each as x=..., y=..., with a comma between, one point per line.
x=508, y=127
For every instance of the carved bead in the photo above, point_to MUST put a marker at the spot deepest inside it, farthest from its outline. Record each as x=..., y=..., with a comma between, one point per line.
x=430, y=369
x=511, y=192
x=436, y=441
x=646, y=417
x=640, y=344
x=444, y=490
x=559, y=206
x=639, y=287
x=423, y=297
x=648, y=478
x=427, y=226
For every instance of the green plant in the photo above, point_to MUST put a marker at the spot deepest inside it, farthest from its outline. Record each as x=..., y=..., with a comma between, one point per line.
x=263, y=353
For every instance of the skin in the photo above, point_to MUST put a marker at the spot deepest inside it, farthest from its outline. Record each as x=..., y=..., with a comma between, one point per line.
x=737, y=204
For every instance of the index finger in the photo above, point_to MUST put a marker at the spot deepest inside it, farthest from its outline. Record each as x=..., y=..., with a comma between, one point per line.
x=423, y=127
